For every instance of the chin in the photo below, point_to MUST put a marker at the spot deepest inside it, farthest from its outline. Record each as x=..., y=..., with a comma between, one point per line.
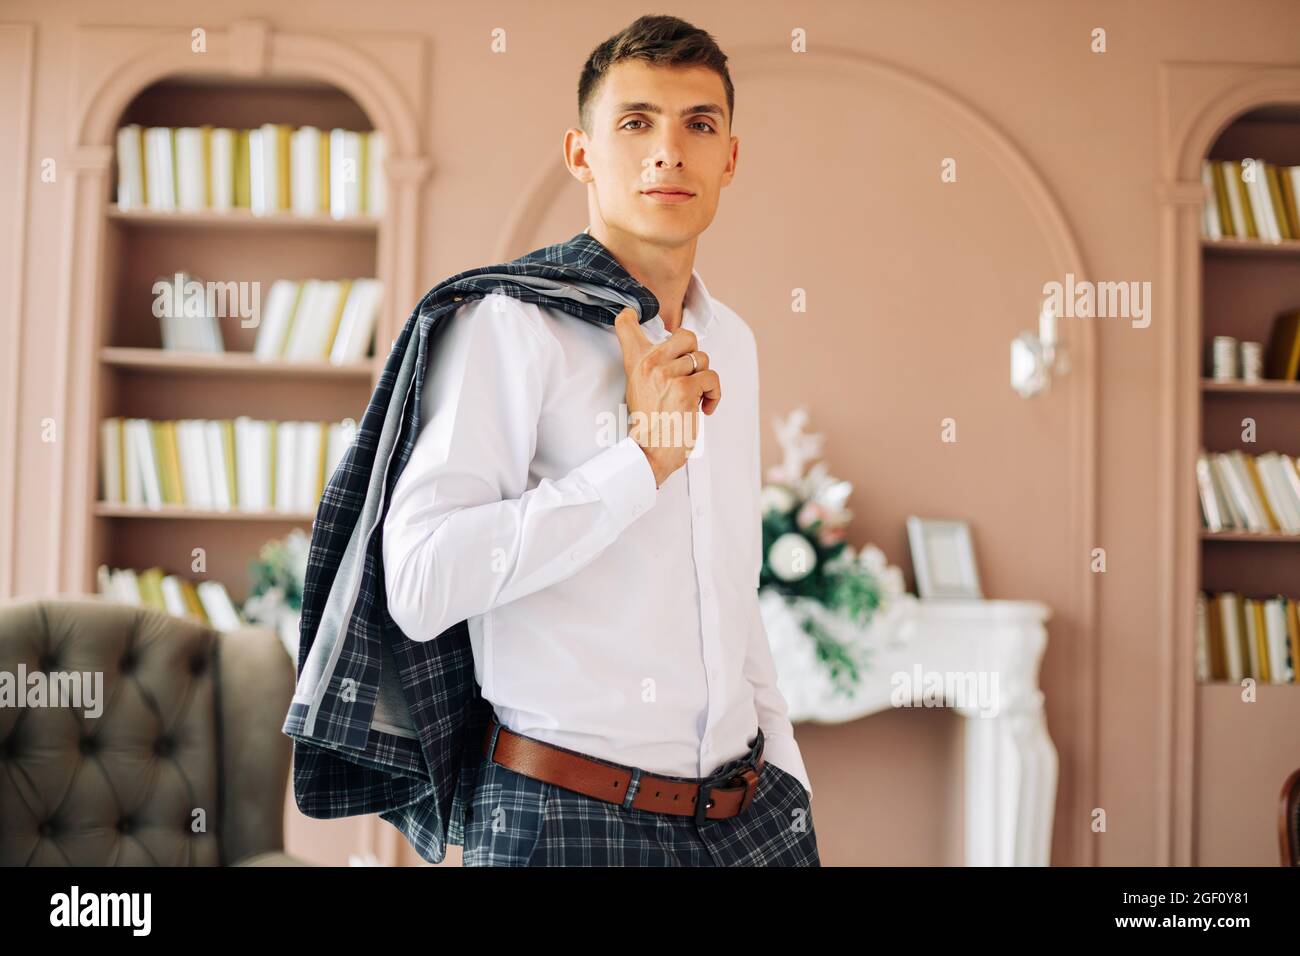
x=668, y=230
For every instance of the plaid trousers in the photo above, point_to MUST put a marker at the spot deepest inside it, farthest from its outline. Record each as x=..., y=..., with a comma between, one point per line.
x=517, y=820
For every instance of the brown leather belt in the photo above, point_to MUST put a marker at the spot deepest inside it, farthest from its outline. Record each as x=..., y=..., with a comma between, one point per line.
x=713, y=798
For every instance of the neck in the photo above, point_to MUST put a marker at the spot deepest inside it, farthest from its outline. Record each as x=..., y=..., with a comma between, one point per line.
x=664, y=270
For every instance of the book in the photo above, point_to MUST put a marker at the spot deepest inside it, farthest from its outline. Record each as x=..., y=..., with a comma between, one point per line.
x=221, y=165
x=304, y=146
x=159, y=169
x=345, y=173
x=191, y=174
x=1282, y=358
x=357, y=325
x=131, y=167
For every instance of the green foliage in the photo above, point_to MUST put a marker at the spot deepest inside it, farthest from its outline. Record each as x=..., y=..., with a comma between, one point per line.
x=837, y=581
x=839, y=658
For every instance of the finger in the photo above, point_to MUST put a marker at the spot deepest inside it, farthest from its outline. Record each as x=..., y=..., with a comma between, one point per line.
x=631, y=337
x=683, y=366
x=676, y=345
x=708, y=385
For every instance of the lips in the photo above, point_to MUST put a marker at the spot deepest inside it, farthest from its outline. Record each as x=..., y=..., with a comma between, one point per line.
x=668, y=195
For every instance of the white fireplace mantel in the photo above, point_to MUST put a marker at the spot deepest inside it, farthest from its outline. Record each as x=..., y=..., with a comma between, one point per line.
x=947, y=648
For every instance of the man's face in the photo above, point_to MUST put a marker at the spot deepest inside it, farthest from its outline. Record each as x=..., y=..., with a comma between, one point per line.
x=656, y=128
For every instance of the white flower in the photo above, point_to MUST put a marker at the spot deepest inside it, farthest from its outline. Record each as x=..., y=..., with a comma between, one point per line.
x=263, y=608
x=873, y=559
x=816, y=480
x=298, y=548
x=777, y=498
x=834, y=494
x=791, y=557
x=891, y=580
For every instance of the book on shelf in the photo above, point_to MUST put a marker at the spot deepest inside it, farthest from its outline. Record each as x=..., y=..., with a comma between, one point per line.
x=1239, y=637
x=1282, y=357
x=184, y=319
x=272, y=169
x=329, y=320
x=229, y=465
x=208, y=602
x=1250, y=199
x=1240, y=492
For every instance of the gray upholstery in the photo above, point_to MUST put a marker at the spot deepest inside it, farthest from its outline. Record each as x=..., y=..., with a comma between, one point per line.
x=186, y=764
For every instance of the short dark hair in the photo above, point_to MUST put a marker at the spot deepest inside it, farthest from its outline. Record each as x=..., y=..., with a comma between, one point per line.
x=657, y=39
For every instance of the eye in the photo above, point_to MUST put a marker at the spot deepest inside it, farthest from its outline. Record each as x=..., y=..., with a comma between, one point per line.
x=624, y=126
x=705, y=124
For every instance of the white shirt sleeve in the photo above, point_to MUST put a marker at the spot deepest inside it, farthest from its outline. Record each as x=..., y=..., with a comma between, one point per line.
x=779, y=744
x=462, y=535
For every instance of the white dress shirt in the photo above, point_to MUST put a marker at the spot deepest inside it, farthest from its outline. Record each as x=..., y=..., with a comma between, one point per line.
x=605, y=615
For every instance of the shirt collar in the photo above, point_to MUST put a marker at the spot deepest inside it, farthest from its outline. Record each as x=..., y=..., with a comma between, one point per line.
x=698, y=304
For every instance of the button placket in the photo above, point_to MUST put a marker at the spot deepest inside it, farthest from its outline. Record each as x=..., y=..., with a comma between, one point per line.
x=701, y=536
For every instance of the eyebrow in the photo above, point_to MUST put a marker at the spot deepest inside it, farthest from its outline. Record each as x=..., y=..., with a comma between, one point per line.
x=644, y=107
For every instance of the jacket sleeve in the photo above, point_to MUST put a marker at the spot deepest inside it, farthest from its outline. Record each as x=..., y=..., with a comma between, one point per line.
x=462, y=535
x=779, y=745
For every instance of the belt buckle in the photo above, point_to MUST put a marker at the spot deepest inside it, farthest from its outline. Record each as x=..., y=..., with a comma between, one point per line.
x=751, y=785
x=703, y=802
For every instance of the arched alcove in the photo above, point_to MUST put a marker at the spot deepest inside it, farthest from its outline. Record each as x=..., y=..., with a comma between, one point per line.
x=129, y=74
x=1205, y=111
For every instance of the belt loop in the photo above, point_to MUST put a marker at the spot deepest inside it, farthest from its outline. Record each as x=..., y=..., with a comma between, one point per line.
x=632, y=787
x=496, y=732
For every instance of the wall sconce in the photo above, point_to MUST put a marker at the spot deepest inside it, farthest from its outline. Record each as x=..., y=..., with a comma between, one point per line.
x=1035, y=359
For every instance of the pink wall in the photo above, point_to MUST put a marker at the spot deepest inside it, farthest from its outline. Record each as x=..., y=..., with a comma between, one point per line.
x=915, y=288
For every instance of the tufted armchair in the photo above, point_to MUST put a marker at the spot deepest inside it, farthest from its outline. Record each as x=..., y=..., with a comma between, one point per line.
x=176, y=759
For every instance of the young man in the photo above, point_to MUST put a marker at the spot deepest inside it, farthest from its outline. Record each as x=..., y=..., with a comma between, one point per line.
x=609, y=581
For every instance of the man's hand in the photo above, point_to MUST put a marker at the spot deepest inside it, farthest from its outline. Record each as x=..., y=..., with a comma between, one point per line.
x=665, y=386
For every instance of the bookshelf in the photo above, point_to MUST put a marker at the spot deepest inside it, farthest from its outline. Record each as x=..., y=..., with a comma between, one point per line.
x=1245, y=283
x=135, y=378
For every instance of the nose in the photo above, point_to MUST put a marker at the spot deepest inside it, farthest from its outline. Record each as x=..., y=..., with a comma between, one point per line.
x=655, y=165
x=667, y=154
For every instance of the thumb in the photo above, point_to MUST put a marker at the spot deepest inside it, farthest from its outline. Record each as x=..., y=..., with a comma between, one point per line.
x=631, y=337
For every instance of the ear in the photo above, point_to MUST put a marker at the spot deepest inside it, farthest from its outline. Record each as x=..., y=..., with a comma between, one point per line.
x=575, y=155
x=730, y=171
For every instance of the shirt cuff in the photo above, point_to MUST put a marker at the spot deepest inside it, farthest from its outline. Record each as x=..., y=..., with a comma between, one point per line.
x=783, y=750
x=622, y=476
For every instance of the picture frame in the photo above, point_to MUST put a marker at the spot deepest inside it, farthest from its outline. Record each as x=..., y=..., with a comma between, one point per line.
x=943, y=558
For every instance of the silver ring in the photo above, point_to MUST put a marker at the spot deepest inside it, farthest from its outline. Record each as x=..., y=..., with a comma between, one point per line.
x=694, y=362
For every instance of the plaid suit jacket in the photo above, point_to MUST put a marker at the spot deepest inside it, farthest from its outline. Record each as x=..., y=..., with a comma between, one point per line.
x=381, y=723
